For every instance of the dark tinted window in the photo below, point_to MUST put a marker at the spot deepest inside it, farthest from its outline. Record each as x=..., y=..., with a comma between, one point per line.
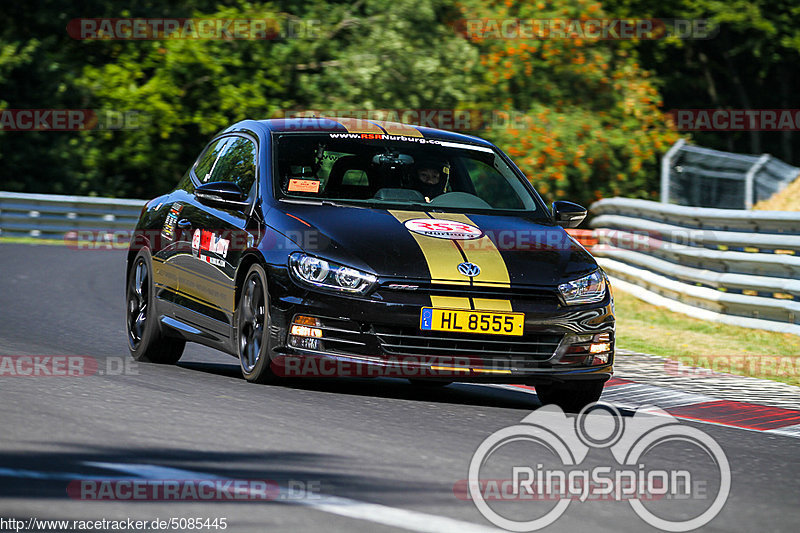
x=229, y=159
x=485, y=178
x=186, y=183
x=397, y=170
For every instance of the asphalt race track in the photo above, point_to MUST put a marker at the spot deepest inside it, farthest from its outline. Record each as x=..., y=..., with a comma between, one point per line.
x=347, y=455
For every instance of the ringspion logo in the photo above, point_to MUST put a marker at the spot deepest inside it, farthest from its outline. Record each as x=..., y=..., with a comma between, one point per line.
x=686, y=499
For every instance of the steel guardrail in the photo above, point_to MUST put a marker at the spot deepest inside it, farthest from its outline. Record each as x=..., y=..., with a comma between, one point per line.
x=52, y=216
x=740, y=267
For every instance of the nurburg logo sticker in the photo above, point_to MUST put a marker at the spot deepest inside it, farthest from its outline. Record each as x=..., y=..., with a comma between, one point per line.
x=443, y=229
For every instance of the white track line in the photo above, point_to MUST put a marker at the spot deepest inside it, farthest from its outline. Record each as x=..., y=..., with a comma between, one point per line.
x=787, y=431
x=372, y=512
x=635, y=395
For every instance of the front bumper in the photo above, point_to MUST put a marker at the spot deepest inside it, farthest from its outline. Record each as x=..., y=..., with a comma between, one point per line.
x=379, y=336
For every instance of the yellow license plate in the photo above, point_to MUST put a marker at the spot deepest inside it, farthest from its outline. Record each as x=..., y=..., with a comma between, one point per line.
x=463, y=321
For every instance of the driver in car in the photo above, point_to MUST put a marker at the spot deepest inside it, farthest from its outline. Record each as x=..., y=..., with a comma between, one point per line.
x=432, y=178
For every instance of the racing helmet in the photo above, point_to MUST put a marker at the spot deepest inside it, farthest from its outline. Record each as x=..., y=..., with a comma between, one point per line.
x=431, y=175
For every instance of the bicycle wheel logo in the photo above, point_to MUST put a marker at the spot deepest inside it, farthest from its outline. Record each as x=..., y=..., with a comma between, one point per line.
x=650, y=434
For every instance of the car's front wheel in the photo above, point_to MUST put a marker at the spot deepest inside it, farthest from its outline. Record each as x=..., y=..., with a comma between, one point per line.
x=252, y=327
x=145, y=340
x=571, y=396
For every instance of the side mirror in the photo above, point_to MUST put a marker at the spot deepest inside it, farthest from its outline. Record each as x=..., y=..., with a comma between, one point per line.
x=567, y=214
x=222, y=194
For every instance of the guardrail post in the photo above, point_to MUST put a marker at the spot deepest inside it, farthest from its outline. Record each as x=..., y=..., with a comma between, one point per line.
x=666, y=164
x=750, y=177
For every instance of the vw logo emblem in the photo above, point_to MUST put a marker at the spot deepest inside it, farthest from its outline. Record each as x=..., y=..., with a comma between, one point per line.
x=469, y=269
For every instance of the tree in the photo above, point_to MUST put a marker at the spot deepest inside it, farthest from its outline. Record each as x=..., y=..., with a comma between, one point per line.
x=750, y=63
x=591, y=123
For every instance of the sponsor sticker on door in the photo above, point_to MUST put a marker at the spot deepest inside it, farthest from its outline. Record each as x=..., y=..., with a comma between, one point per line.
x=207, y=241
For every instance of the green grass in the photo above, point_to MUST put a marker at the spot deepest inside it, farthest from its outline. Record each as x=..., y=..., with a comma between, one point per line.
x=32, y=240
x=646, y=328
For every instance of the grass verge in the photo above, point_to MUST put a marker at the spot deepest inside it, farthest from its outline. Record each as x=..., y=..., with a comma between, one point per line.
x=31, y=240
x=647, y=328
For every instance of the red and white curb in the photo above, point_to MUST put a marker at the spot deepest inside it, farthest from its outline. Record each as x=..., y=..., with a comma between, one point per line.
x=681, y=404
x=629, y=395
x=714, y=398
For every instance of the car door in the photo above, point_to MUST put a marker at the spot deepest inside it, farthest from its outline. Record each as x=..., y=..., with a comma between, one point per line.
x=166, y=246
x=214, y=238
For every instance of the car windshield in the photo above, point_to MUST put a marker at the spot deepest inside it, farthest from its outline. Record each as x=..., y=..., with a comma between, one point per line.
x=373, y=170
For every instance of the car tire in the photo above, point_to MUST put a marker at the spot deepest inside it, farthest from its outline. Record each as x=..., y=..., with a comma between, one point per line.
x=146, y=342
x=571, y=396
x=252, y=328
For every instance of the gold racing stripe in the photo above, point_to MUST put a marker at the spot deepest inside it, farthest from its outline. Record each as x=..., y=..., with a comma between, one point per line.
x=442, y=255
x=483, y=253
x=486, y=304
x=361, y=125
x=358, y=125
x=478, y=304
x=450, y=302
x=396, y=128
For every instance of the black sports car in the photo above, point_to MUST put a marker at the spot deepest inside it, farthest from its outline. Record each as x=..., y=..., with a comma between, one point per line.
x=315, y=247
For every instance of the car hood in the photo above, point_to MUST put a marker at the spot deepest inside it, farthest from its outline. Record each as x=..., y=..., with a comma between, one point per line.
x=509, y=250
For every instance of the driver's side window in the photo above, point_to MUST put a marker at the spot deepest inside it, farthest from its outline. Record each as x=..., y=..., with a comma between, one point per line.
x=230, y=159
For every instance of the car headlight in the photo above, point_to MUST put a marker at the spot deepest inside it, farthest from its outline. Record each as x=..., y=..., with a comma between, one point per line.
x=321, y=273
x=588, y=289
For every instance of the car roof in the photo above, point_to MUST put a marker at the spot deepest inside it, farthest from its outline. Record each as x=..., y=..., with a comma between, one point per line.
x=351, y=125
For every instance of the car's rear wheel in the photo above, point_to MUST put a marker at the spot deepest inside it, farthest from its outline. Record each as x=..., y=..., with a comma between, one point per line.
x=252, y=327
x=145, y=339
x=571, y=396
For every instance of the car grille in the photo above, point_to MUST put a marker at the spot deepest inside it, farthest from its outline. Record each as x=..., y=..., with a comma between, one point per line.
x=540, y=295
x=407, y=341
x=342, y=336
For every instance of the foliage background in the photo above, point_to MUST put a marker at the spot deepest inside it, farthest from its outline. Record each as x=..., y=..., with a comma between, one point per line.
x=593, y=125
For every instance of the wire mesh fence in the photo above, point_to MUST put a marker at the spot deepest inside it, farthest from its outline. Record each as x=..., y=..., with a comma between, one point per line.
x=702, y=177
